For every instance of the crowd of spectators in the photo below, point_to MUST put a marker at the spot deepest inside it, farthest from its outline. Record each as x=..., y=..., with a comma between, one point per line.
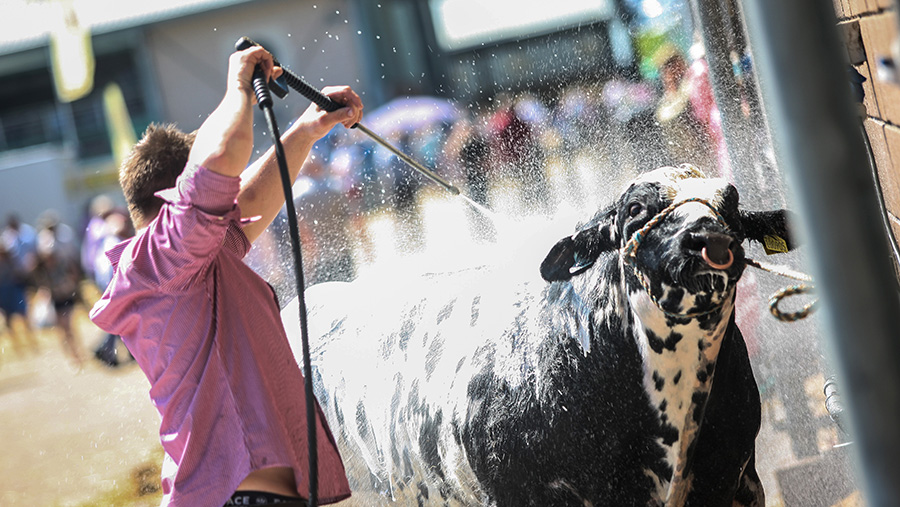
x=45, y=270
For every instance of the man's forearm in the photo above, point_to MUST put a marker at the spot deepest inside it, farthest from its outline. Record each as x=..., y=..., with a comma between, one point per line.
x=262, y=193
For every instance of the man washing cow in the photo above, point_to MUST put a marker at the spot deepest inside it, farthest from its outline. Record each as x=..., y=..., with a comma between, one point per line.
x=202, y=326
x=622, y=381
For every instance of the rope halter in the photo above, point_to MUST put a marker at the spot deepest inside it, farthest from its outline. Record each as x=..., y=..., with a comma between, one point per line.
x=629, y=254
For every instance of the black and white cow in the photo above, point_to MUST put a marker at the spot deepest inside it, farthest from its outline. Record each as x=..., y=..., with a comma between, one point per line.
x=623, y=381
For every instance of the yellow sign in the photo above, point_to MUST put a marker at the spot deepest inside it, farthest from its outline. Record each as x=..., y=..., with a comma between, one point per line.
x=72, y=56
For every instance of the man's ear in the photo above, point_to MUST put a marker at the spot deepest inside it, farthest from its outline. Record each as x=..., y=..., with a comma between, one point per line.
x=572, y=255
x=771, y=228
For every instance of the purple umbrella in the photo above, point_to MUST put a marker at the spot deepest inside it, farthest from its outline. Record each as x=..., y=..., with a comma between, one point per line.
x=406, y=114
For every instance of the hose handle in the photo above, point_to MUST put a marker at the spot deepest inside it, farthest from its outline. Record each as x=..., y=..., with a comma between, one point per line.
x=277, y=86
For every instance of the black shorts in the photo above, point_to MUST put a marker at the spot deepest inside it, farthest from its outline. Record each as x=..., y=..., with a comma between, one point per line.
x=263, y=498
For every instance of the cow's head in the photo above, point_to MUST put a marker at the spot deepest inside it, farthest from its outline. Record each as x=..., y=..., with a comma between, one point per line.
x=680, y=231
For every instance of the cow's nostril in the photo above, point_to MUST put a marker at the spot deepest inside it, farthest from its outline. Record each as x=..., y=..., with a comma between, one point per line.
x=717, y=250
x=694, y=241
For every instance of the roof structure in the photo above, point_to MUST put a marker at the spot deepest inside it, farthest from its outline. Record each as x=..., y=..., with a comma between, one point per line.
x=26, y=24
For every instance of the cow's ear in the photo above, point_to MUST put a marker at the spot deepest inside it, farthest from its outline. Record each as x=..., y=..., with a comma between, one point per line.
x=771, y=228
x=574, y=254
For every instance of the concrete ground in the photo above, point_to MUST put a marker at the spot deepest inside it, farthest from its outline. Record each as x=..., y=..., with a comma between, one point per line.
x=74, y=437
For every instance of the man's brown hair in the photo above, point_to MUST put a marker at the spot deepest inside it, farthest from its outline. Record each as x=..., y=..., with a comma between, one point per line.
x=153, y=165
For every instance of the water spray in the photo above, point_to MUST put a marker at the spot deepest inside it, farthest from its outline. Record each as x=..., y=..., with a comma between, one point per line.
x=279, y=87
x=294, y=81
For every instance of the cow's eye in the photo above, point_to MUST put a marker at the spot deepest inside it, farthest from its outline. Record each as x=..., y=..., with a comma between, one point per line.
x=635, y=210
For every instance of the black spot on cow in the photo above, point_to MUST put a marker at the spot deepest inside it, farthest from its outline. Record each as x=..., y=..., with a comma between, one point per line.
x=413, y=400
x=655, y=342
x=445, y=312
x=389, y=346
x=672, y=340
x=460, y=364
x=658, y=344
x=669, y=434
x=676, y=378
x=422, y=497
x=429, y=436
x=476, y=309
x=706, y=373
x=361, y=420
x=406, y=332
x=672, y=301
x=663, y=405
x=339, y=414
x=432, y=358
x=454, y=429
x=658, y=381
x=699, y=403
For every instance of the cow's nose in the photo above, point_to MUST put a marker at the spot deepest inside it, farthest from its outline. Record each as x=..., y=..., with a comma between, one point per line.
x=715, y=248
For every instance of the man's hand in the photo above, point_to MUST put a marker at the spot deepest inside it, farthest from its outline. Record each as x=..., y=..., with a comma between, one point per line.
x=317, y=122
x=242, y=64
x=225, y=140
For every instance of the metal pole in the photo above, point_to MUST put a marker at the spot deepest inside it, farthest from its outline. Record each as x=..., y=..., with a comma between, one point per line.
x=803, y=78
x=713, y=25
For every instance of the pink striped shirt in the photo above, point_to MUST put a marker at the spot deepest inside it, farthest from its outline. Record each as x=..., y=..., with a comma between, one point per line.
x=206, y=331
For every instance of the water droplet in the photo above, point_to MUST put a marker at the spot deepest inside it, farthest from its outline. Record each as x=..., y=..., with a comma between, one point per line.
x=377, y=36
x=359, y=32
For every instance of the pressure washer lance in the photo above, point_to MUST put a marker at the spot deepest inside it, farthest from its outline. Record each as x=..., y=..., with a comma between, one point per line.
x=321, y=100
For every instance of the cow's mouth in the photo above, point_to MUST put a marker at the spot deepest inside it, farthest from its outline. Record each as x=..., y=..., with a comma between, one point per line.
x=711, y=271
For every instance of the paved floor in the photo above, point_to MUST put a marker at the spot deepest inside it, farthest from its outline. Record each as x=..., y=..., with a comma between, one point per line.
x=69, y=434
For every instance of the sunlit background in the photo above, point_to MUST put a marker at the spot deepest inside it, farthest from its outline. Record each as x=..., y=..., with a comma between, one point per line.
x=538, y=112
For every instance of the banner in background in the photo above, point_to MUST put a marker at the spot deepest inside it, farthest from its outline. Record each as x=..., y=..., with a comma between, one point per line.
x=72, y=55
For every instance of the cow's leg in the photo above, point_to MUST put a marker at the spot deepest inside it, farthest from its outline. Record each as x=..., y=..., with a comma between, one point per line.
x=750, y=490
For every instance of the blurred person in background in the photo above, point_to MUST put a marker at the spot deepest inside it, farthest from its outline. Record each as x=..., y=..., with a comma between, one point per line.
x=20, y=240
x=94, y=235
x=64, y=238
x=516, y=150
x=13, y=302
x=116, y=229
x=469, y=149
x=687, y=136
x=405, y=195
x=57, y=272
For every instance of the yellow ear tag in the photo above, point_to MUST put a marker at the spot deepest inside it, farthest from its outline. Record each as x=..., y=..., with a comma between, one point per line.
x=774, y=244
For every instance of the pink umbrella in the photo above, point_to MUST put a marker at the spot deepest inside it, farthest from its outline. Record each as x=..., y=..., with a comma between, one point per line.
x=407, y=114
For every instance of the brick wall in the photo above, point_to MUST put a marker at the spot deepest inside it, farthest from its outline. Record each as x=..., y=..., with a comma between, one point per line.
x=869, y=28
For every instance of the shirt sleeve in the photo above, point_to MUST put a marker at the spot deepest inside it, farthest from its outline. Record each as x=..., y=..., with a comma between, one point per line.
x=177, y=247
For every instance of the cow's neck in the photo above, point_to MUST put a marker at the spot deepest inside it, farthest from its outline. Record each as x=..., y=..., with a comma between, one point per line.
x=679, y=357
